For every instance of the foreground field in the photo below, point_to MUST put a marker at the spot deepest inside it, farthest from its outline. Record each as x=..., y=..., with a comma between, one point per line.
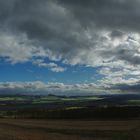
x=16, y=129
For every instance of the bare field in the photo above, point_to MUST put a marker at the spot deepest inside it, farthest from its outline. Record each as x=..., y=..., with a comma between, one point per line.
x=17, y=129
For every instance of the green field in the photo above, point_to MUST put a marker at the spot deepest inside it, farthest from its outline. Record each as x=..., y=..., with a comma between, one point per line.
x=48, y=99
x=134, y=102
x=12, y=98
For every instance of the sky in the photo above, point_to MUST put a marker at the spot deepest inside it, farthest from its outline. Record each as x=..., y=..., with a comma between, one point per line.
x=70, y=46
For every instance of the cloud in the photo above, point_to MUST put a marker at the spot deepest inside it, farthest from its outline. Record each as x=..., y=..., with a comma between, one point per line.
x=133, y=86
x=71, y=30
x=122, y=14
x=96, y=33
x=116, y=34
x=14, y=48
x=52, y=66
x=38, y=87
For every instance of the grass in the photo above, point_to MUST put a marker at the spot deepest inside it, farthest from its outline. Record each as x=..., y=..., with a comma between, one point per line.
x=48, y=99
x=12, y=98
x=74, y=107
x=134, y=102
x=82, y=98
x=52, y=99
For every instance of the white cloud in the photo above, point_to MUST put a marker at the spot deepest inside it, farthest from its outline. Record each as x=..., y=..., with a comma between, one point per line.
x=39, y=87
x=52, y=66
x=16, y=48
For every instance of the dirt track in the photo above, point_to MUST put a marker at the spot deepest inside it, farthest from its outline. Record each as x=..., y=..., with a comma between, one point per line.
x=12, y=129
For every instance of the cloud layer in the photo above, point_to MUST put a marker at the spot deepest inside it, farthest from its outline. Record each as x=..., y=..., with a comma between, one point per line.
x=38, y=87
x=96, y=33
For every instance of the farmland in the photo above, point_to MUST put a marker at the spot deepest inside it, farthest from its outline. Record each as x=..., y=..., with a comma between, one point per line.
x=22, y=101
x=19, y=129
x=53, y=117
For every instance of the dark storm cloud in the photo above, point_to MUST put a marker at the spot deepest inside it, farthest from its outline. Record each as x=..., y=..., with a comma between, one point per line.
x=127, y=87
x=34, y=17
x=122, y=14
x=116, y=34
x=125, y=52
x=45, y=19
x=58, y=20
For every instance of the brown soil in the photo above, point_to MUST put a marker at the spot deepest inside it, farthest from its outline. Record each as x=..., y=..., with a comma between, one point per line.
x=15, y=129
